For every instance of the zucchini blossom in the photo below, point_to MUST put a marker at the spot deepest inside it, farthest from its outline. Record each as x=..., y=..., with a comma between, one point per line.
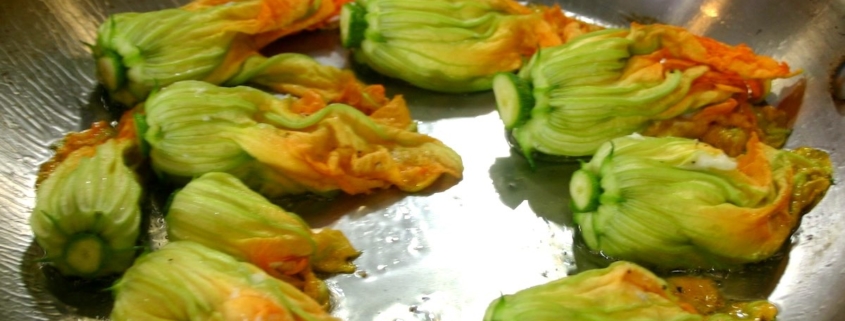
x=87, y=213
x=447, y=45
x=677, y=203
x=218, y=211
x=217, y=41
x=572, y=98
x=622, y=291
x=196, y=128
x=188, y=281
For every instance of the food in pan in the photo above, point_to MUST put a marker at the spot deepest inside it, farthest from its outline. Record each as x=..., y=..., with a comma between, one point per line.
x=197, y=128
x=623, y=291
x=570, y=99
x=87, y=211
x=678, y=203
x=643, y=79
x=302, y=76
x=218, y=42
x=450, y=45
x=219, y=212
x=188, y=281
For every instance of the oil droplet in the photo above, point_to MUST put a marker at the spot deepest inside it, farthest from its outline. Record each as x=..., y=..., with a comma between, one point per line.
x=381, y=267
x=361, y=274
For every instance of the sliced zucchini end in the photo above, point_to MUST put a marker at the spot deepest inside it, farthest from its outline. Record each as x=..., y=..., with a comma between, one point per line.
x=514, y=99
x=85, y=254
x=585, y=191
x=520, y=142
x=353, y=25
x=110, y=70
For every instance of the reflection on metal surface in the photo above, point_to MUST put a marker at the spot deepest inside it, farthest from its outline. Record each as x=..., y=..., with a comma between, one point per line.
x=711, y=9
x=460, y=238
x=445, y=253
x=707, y=15
x=79, y=24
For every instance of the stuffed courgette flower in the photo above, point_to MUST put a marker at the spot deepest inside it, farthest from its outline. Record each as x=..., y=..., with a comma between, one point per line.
x=572, y=98
x=87, y=213
x=218, y=41
x=678, y=203
x=622, y=292
x=219, y=212
x=448, y=45
x=196, y=128
x=188, y=281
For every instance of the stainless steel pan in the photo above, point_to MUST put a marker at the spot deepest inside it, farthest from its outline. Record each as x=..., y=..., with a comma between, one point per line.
x=446, y=253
